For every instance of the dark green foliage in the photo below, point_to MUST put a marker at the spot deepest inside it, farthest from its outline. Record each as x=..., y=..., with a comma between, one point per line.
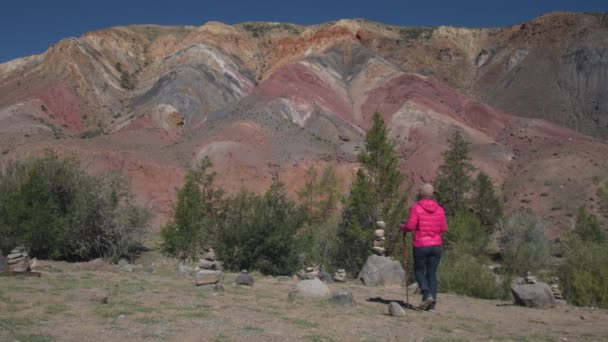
x=463, y=274
x=584, y=273
x=588, y=228
x=602, y=193
x=126, y=81
x=53, y=207
x=91, y=133
x=524, y=244
x=454, y=175
x=376, y=194
x=319, y=199
x=465, y=234
x=485, y=202
x=259, y=232
x=194, y=226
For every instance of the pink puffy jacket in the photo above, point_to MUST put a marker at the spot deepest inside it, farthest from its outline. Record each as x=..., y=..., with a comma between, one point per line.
x=427, y=222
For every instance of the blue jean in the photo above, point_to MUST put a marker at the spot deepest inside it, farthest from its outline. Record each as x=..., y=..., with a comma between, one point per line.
x=426, y=262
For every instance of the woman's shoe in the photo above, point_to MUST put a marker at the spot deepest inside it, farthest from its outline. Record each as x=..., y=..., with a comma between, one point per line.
x=426, y=304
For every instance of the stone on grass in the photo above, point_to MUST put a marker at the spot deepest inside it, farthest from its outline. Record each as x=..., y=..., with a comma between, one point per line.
x=99, y=296
x=342, y=297
x=208, y=277
x=533, y=295
x=394, y=309
x=325, y=277
x=380, y=270
x=310, y=289
x=244, y=279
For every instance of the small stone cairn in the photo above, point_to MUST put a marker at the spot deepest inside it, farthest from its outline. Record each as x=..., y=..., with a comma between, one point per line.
x=210, y=274
x=19, y=260
x=557, y=293
x=340, y=275
x=530, y=279
x=378, y=244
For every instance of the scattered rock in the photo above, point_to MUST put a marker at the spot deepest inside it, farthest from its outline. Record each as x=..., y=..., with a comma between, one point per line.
x=207, y=277
x=533, y=295
x=380, y=270
x=99, y=296
x=343, y=297
x=37, y=265
x=310, y=288
x=185, y=270
x=394, y=309
x=244, y=279
x=325, y=277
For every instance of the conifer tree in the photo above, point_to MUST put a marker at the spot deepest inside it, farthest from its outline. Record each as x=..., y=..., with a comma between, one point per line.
x=485, y=202
x=454, y=175
x=376, y=194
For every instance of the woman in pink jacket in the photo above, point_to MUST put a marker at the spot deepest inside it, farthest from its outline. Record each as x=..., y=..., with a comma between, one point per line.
x=426, y=222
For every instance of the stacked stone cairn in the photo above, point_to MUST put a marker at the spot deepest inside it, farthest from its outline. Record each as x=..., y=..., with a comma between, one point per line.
x=340, y=275
x=530, y=279
x=557, y=293
x=378, y=244
x=210, y=275
x=19, y=260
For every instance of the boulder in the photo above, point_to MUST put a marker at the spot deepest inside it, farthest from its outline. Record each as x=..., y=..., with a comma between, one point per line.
x=342, y=297
x=244, y=279
x=380, y=270
x=207, y=277
x=4, y=267
x=325, y=277
x=394, y=309
x=22, y=266
x=533, y=295
x=310, y=289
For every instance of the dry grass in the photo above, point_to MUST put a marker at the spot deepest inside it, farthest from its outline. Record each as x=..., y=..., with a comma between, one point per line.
x=163, y=307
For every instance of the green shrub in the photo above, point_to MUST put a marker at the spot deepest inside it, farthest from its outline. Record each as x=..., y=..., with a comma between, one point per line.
x=524, y=244
x=584, y=273
x=258, y=232
x=195, y=223
x=465, y=234
x=602, y=193
x=463, y=274
x=57, y=210
x=588, y=228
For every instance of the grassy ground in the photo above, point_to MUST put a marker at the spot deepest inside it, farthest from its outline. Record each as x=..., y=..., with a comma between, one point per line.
x=161, y=306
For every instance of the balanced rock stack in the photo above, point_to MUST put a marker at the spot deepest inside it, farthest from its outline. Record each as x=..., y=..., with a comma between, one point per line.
x=340, y=275
x=19, y=260
x=378, y=245
x=557, y=293
x=210, y=274
x=311, y=273
x=530, y=279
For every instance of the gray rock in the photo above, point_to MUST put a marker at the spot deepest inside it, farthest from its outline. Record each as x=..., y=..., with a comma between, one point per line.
x=244, y=279
x=16, y=260
x=533, y=295
x=99, y=296
x=380, y=270
x=16, y=255
x=4, y=264
x=22, y=266
x=310, y=289
x=325, y=277
x=394, y=309
x=342, y=297
x=184, y=270
x=207, y=277
x=210, y=265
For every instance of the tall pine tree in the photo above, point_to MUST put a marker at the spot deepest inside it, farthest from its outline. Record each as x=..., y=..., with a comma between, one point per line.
x=377, y=194
x=454, y=175
x=485, y=202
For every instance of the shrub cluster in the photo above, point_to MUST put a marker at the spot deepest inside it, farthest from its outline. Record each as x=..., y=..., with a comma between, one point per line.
x=59, y=211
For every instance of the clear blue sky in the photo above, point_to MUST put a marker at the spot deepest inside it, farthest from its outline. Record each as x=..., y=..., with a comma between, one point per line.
x=29, y=27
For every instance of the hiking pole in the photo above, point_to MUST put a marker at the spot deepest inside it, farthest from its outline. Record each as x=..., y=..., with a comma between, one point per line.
x=407, y=292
